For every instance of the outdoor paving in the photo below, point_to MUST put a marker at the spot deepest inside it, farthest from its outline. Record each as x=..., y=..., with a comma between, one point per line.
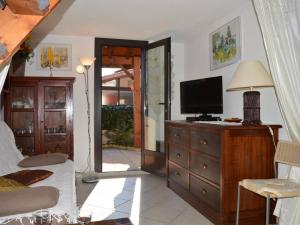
x=120, y=160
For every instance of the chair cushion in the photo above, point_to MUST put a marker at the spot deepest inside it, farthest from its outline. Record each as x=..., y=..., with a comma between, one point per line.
x=7, y=185
x=276, y=188
x=43, y=160
x=28, y=177
x=27, y=200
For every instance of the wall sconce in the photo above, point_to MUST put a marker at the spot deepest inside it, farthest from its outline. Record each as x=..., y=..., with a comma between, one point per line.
x=86, y=63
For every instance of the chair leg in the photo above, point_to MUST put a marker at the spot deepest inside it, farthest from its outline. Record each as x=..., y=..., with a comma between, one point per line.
x=268, y=209
x=238, y=205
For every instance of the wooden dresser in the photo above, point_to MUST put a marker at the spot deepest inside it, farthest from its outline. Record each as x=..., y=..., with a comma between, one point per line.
x=205, y=161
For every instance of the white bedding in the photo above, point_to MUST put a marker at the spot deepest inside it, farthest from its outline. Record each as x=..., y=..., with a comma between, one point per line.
x=63, y=176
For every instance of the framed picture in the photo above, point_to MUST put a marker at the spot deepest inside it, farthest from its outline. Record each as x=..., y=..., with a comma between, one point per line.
x=225, y=45
x=57, y=56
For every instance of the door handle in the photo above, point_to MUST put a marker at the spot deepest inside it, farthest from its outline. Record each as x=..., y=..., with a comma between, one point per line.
x=161, y=103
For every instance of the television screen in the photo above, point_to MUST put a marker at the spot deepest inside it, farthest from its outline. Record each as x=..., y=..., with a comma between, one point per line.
x=202, y=96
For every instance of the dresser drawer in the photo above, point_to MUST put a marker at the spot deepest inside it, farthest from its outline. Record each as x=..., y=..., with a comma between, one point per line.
x=205, y=192
x=205, y=166
x=178, y=155
x=178, y=135
x=209, y=143
x=179, y=175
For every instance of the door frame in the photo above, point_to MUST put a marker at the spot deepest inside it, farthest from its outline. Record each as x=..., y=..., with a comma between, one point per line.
x=99, y=44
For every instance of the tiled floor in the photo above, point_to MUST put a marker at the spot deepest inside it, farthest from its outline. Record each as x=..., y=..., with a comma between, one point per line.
x=145, y=200
x=120, y=160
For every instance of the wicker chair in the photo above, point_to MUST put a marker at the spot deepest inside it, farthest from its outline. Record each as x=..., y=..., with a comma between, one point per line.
x=287, y=153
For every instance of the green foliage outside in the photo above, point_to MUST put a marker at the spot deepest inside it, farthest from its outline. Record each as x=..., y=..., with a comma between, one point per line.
x=118, y=121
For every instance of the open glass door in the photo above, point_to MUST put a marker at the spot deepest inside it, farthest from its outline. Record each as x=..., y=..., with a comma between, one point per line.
x=157, y=104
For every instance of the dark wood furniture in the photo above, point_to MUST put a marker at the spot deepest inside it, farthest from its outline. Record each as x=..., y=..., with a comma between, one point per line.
x=39, y=111
x=205, y=161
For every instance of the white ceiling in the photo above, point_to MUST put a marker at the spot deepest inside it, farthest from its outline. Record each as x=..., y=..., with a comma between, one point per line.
x=133, y=19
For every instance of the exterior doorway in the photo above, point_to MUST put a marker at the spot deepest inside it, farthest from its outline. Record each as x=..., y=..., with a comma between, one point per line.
x=121, y=108
x=132, y=94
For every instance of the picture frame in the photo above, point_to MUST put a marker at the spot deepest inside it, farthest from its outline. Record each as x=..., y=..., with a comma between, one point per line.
x=58, y=56
x=225, y=44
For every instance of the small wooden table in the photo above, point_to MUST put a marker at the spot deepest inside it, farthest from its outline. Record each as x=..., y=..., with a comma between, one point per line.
x=122, y=221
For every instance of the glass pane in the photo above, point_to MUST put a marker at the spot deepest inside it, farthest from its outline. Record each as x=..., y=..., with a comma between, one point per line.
x=154, y=100
x=22, y=97
x=109, y=97
x=55, y=97
x=111, y=83
x=56, y=143
x=126, y=98
x=55, y=122
x=22, y=123
x=126, y=82
x=25, y=145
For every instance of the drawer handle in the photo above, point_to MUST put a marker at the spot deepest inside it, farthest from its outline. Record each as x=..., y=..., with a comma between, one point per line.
x=204, y=166
x=203, y=142
x=203, y=191
x=178, y=155
x=178, y=174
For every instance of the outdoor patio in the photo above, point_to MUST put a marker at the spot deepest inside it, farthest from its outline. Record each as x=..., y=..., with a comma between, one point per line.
x=120, y=160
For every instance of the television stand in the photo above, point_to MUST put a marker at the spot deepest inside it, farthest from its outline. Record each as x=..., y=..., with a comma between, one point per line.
x=203, y=117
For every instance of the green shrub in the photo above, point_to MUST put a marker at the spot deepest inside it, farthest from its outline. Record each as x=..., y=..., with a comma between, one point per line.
x=118, y=121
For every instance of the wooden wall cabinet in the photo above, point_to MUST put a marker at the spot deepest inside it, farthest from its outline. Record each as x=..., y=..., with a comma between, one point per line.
x=205, y=161
x=39, y=111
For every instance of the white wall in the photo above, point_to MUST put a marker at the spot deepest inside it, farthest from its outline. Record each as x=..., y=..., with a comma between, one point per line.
x=81, y=46
x=197, y=63
x=84, y=46
x=177, y=75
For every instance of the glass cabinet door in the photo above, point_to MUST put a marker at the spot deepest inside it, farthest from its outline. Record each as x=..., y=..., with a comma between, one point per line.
x=55, y=119
x=22, y=118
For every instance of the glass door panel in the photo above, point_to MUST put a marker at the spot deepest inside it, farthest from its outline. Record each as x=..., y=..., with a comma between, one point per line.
x=23, y=129
x=55, y=97
x=22, y=98
x=155, y=99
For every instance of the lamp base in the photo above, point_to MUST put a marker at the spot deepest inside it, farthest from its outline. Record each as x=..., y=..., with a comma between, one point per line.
x=90, y=179
x=251, y=108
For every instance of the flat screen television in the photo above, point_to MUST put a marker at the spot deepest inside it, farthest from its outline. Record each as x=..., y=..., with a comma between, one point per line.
x=202, y=96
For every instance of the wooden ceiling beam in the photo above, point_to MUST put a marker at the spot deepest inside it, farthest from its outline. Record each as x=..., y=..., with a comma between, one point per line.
x=116, y=61
x=28, y=7
x=15, y=28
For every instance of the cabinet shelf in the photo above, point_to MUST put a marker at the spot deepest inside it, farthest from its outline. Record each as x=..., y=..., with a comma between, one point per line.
x=55, y=134
x=24, y=135
x=55, y=110
x=22, y=110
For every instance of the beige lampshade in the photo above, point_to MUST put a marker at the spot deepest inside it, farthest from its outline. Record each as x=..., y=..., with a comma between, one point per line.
x=250, y=74
x=87, y=61
x=80, y=69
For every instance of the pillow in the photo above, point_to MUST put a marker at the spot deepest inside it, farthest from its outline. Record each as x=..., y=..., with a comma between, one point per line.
x=28, y=200
x=43, y=160
x=8, y=185
x=27, y=177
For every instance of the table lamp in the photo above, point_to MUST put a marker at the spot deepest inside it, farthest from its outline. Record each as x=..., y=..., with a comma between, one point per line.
x=250, y=75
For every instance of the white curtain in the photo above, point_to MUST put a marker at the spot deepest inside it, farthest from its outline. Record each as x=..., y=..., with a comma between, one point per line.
x=3, y=74
x=280, y=25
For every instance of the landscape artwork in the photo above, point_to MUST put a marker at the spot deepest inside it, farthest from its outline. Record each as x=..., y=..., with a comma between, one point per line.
x=225, y=47
x=54, y=56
